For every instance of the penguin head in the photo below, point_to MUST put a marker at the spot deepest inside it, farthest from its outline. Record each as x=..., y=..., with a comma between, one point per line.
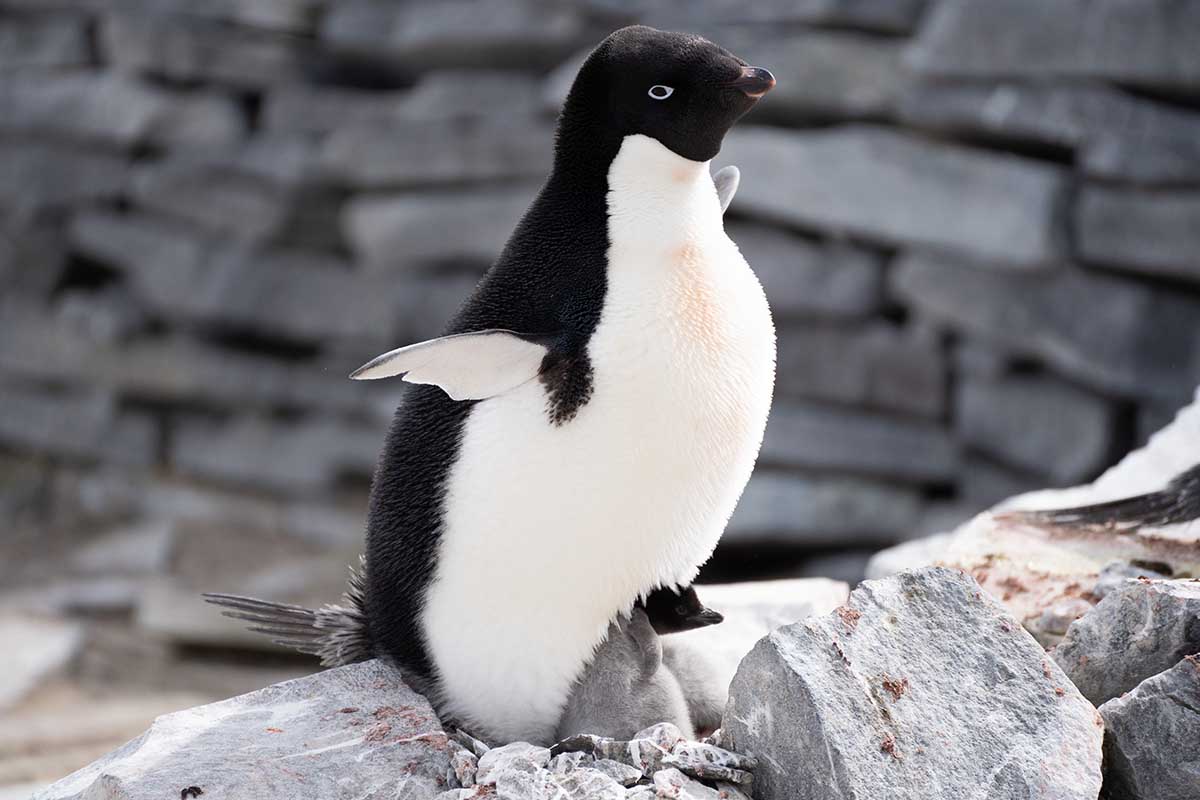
x=680, y=89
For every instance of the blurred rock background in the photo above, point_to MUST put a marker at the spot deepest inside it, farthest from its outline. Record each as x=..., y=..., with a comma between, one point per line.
x=978, y=222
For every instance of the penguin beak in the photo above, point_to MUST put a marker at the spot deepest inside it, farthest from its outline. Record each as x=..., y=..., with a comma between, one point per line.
x=754, y=82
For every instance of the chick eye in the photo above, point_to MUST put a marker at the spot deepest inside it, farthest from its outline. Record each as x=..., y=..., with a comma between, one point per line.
x=660, y=92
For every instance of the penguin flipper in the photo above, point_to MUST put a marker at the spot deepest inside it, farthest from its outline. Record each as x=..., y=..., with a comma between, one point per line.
x=727, y=180
x=466, y=366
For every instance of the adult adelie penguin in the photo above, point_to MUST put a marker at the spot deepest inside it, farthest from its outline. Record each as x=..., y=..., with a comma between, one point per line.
x=589, y=420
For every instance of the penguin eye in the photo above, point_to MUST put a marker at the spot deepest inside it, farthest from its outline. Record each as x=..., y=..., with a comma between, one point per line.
x=660, y=92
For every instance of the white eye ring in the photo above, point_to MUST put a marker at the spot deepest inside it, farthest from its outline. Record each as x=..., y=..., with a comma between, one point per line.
x=660, y=92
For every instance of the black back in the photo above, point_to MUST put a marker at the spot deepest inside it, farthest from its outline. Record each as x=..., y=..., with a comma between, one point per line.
x=550, y=279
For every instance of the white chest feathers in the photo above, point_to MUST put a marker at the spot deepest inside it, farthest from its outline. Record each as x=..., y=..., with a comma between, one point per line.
x=550, y=531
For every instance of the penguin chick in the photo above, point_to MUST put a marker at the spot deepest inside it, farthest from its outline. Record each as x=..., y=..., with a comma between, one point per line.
x=700, y=680
x=626, y=687
x=677, y=610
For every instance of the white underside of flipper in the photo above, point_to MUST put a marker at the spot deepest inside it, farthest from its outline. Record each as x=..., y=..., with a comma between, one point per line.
x=550, y=531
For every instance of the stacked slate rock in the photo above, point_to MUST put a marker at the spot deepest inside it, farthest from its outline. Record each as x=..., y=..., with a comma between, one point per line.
x=976, y=222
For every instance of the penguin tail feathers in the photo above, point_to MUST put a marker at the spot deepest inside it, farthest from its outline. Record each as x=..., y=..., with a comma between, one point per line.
x=337, y=634
x=1178, y=503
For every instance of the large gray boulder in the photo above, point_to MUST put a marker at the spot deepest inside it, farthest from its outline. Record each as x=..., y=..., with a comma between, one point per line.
x=1153, y=737
x=1134, y=633
x=922, y=686
x=350, y=732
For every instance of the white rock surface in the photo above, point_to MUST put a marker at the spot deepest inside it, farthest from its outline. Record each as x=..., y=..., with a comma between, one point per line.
x=350, y=732
x=922, y=686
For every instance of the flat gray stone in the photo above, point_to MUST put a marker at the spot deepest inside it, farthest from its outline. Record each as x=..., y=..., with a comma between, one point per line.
x=234, y=207
x=897, y=189
x=388, y=233
x=1037, y=424
x=192, y=50
x=884, y=16
x=306, y=456
x=840, y=440
x=77, y=424
x=458, y=33
x=39, y=649
x=1147, y=161
x=289, y=16
x=1155, y=233
x=1036, y=315
x=418, y=154
x=984, y=482
x=1147, y=43
x=1135, y=632
x=1150, y=737
x=141, y=547
x=920, y=680
x=876, y=366
x=29, y=43
x=820, y=511
x=289, y=294
x=806, y=279
x=32, y=258
x=36, y=175
x=440, y=95
x=286, y=160
x=115, y=108
x=352, y=731
x=179, y=369
x=1114, y=135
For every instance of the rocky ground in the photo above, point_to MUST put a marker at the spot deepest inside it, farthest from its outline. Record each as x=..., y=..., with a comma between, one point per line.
x=921, y=685
x=925, y=684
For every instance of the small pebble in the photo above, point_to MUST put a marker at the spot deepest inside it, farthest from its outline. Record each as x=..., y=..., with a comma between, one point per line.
x=563, y=763
x=672, y=783
x=470, y=742
x=464, y=764
x=664, y=734
x=623, y=774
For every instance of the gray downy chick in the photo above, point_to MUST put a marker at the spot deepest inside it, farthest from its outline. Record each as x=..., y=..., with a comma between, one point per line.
x=626, y=687
x=700, y=679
